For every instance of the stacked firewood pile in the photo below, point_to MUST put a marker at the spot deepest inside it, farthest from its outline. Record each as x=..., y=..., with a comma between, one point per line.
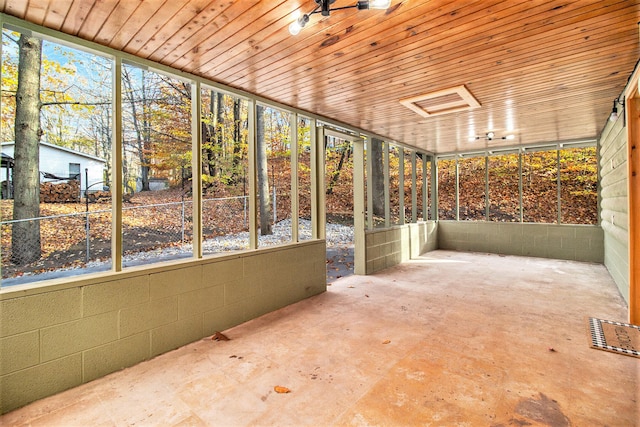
x=99, y=196
x=60, y=192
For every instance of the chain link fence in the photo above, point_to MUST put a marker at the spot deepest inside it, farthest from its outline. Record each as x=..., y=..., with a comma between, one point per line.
x=150, y=233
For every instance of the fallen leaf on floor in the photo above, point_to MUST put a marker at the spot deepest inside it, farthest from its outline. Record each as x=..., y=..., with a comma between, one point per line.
x=219, y=336
x=280, y=389
x=386, y=341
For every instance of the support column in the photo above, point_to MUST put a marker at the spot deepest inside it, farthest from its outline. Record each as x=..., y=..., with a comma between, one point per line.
x=414, y=191
x=360, y=260
x=401, y=185
x=294, y=178
x=632, y=117
x=116, y=170
x=196, y=167
x=253, y=185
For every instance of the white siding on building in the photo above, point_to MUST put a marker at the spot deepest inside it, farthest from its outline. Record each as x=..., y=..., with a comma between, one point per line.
x=58, y=160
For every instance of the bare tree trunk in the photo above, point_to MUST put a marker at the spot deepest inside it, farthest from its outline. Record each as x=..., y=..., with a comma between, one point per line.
x=25, y=237
x=237, y=140
x=263, y=175
x=335, y=176
x=142, y=134
x=377, y=176
x=218, y=129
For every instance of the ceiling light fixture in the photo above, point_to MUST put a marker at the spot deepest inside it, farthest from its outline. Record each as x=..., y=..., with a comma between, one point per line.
x=614, y=112
x=490, y=136
x=324, y=7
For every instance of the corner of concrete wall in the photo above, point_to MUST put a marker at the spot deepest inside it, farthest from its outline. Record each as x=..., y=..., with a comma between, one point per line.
x=56, y=337
x=391, y=246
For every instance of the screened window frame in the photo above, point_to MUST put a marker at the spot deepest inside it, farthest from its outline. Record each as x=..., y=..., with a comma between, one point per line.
x=558, y=147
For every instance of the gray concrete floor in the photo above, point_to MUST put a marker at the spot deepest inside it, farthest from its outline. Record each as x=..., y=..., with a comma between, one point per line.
x=449, y=339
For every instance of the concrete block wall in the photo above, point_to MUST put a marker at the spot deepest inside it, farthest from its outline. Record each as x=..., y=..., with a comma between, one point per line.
x=391, y=246
x=62, y=335
x=570, y=242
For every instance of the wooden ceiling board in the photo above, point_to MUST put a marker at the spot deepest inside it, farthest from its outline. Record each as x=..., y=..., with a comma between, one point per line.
x=115, y=21
x=209, y=20
x=95, y=19
x=478, y=71
x=129, y=25
x=353, y=41
x=521, y=76
x=246, y=47
x=495, y=53
x=56, y=14
x=164, y=25
x=227, y=35
x=37, y=12
x=403, y=44
x=19, y=7
x=280, y=47
x=75, y=17
x=548, y=70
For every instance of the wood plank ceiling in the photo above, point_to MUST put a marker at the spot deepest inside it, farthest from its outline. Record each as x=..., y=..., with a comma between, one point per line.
x=543, y=70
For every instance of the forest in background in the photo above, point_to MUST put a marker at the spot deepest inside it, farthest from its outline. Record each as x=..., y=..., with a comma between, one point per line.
x=70, y=105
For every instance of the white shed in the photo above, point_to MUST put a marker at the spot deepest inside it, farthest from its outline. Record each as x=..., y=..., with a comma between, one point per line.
x=61, y=162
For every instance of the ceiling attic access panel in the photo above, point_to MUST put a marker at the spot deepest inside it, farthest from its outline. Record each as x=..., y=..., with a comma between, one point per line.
x=444, y=101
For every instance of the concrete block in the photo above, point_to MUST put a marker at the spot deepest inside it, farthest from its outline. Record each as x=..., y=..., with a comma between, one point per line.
x=304, y=273
x=369, y=238
x=103, y=360
x=223, y=318
x=535, y=230
x=510, y=228
x=575, y=242
x=286, y=278
x=19, y=352
x=390, y=261
x=176, y=334
x=114, y=295
x=217, y=273
x=24, y=314
x=373, y=252
x=589, y=255
x=147, y=316
x=25, y=386
x=370, y=266
x=256, y=306
x=381, y=237
x=596, y=244
x=260, y=263
x=174, y=282
x=557, y=252
x=379, y=264
x=564, y=232
x=547, y=242
x=73, y=337
x=201, y=300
